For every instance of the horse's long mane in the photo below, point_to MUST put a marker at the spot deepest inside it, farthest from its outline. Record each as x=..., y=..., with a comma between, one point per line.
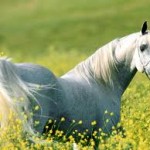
x=14, y=96
x=100, y=65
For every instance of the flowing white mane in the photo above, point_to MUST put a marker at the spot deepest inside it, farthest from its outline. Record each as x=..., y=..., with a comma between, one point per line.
x=100, y=65
x=14, y=96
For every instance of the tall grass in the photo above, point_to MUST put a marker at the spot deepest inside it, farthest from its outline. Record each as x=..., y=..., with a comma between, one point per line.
x=32, y=26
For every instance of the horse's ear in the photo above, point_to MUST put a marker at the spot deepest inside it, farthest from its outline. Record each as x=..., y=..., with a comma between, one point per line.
x=144, y=28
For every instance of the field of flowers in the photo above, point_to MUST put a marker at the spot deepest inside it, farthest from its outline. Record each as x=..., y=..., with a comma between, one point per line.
x=135, y=121
x=57, y=37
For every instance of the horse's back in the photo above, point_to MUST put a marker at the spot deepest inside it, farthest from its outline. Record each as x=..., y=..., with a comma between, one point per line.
x=48, y=98
x=69, y=97
x=32, y=72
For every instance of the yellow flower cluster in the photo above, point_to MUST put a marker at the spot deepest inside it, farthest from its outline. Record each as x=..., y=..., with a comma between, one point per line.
x=132, y=133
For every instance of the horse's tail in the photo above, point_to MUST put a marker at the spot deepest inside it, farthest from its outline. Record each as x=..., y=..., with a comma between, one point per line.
x=15, y=96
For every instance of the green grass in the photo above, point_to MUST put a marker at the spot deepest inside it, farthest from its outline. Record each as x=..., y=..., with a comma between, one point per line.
x=60, y=33
x=30, y=27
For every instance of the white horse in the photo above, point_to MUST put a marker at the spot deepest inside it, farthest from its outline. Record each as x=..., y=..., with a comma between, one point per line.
x=85, y=93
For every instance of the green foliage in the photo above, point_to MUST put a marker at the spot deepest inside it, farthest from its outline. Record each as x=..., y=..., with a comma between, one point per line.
x=30, y=27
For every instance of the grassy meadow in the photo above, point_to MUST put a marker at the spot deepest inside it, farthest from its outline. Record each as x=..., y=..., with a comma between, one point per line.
x=60, y=33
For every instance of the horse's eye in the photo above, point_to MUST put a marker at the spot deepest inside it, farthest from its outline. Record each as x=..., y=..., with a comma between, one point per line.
x=143, y=47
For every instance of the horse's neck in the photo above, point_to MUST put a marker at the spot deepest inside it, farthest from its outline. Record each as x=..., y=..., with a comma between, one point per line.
x=124, y=55
x=98, y=66
x=123, y=78
x=113, y=67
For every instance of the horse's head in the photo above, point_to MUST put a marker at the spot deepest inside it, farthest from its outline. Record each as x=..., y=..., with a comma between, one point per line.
x=142, y=52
